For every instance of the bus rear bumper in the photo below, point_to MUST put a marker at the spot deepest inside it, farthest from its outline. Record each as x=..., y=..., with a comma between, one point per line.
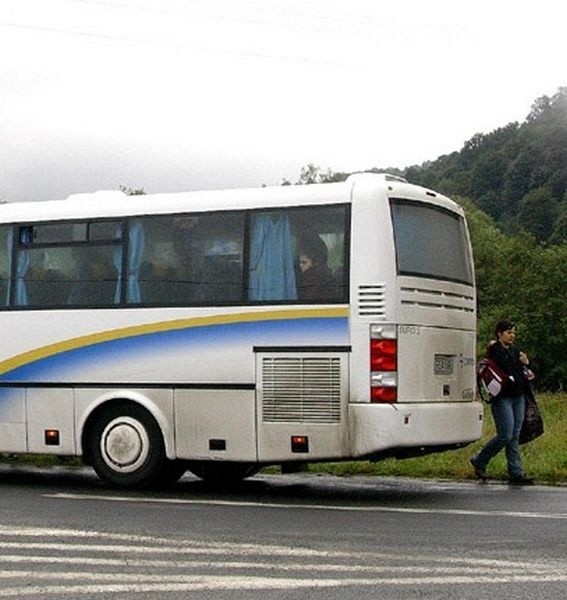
x=379, y=430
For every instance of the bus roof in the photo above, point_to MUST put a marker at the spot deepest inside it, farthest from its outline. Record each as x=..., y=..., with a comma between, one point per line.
x=109, y=204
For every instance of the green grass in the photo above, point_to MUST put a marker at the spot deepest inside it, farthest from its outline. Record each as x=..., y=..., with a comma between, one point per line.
x=544, y=458
x=41, y=460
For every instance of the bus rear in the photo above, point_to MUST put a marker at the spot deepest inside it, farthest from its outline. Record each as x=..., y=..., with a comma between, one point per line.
x=413, y=321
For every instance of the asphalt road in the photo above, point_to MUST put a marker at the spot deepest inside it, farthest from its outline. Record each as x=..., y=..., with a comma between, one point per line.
x=63, y=534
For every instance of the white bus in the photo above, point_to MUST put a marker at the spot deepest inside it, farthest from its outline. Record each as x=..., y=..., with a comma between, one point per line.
x=159, y=333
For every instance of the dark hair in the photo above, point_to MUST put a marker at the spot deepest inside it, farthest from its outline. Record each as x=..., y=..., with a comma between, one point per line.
x=315, y=249
x=504, y=325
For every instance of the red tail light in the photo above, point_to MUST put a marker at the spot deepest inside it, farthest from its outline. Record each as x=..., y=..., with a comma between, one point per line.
x=383, y=355
x=385, y=395
x=383, y=363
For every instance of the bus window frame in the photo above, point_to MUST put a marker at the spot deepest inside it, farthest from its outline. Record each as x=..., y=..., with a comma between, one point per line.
x=124, y=242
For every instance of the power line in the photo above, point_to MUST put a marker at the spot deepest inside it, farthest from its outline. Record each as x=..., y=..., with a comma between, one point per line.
x=169, y=44
x=275, y=13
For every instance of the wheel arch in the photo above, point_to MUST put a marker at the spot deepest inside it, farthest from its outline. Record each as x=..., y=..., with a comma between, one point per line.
x=102, y=402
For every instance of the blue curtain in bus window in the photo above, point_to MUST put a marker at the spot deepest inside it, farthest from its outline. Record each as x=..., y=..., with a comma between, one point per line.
x=272, y=274
x=9, y=246
x=22, y=266
x=136, y=240
x=117, y=259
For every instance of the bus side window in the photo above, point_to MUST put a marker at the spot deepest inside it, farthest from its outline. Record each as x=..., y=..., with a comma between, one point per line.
x=47, y=287
x=191, y=259
x=42, y=282
x=221, y=239
x=162, y=276
x=320, y=253
x=94, y=274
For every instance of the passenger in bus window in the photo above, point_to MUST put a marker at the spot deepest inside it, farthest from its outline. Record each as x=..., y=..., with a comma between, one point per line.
x=315, y=278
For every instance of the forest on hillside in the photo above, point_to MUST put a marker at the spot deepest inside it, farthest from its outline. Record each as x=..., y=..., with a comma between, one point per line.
x=512, y=183
x=517, y=174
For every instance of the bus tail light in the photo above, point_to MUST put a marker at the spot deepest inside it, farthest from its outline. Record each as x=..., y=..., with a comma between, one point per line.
x=299, y=443
x=383, y=364
x=51, y=437
x=383, y=355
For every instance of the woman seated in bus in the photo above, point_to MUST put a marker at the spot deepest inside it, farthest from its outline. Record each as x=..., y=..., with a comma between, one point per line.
x=315, y=279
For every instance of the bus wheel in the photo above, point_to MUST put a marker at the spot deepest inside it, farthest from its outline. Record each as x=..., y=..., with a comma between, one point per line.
x=222, y=473
x=125, y=446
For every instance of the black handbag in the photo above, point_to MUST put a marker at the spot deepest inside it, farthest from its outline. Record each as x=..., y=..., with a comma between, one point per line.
x=532, y=427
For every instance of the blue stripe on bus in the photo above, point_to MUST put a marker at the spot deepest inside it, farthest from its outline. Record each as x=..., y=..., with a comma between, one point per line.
x=294, y=331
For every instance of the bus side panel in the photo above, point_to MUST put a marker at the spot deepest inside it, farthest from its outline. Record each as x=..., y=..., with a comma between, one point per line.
x=51, y=408
x=12, y=420
x=215, y=424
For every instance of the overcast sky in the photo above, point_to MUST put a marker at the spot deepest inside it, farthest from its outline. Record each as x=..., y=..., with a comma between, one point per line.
x=177, y=95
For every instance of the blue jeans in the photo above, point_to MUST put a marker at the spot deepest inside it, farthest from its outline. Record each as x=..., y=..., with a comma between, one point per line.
x=508, y=414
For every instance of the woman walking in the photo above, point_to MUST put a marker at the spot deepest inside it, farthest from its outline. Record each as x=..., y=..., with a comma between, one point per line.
x=508, y=407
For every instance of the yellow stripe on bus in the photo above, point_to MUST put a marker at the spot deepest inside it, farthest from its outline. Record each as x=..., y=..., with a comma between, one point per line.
x=136, y=330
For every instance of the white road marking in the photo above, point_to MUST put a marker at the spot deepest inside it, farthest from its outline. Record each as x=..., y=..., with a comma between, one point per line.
x=128, y=571
x=197, y=583
x=379, y=508
x=156, y=545
x=514, y=569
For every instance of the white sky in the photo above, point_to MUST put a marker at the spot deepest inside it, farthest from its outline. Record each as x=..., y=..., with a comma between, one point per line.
x=176, y=95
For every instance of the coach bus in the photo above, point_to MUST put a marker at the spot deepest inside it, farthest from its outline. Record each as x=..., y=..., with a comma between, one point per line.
x=223, y=331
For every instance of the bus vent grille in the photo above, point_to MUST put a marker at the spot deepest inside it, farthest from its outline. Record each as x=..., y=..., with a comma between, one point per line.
x=433, y=298
x=301, y=390
x=372, y=301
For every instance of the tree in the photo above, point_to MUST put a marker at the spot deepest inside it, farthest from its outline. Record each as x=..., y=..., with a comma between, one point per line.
x=132, y=192
x=539, y=109
x=309, y=174
x=538, y=212
x=518, y=177
x=488, y=172
x=559, y=234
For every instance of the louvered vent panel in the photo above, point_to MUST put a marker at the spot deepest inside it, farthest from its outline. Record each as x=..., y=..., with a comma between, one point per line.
x=372, y=301
x=437, y=298
x=301, y=390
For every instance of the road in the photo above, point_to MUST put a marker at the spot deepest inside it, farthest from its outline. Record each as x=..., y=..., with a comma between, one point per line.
x=65, y=534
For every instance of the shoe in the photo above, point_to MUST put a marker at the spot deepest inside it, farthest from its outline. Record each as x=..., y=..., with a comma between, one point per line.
x=479, y=471
x=521, y=480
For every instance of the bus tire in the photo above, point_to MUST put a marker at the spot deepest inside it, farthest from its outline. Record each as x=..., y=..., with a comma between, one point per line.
x=222, y=473
x=125, y=446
